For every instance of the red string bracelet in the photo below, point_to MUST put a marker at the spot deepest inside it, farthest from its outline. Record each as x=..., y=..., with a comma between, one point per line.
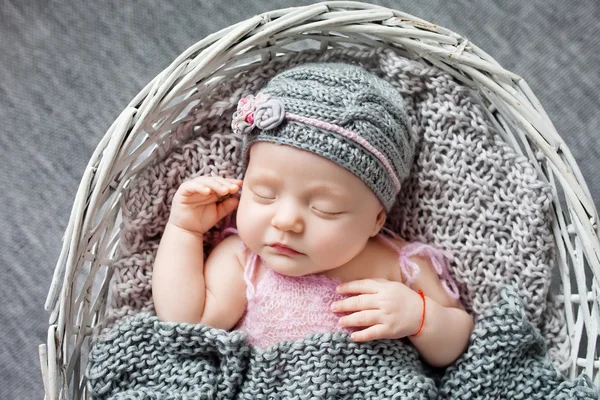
x=422, y=314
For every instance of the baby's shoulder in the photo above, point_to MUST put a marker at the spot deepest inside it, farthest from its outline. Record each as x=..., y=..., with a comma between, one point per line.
x=393, y=244
x=396, y=257
x=389, y=247
x=383, y=258
x=425, y=267
x=233, y=244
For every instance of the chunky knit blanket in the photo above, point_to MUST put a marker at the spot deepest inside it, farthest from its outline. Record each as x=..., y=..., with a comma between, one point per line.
x=143, y=358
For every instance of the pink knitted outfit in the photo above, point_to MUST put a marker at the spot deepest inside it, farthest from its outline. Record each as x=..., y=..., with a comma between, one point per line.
x=285, y=308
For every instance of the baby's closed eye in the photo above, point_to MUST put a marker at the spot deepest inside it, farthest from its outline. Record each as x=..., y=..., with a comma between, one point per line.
x=329, y=213
x=263, y=193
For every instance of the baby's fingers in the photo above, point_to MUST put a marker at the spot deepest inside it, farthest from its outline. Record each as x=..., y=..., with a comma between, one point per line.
x=223, y=187
x=205, y=186
x=225, y=207
x=361, y=318
x=232, y=184
x=361, y=286
x=192, y=188
x=374, y=332
x=355, y=303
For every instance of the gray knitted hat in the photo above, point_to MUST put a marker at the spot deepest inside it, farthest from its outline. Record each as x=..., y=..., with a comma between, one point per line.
x=340, y=112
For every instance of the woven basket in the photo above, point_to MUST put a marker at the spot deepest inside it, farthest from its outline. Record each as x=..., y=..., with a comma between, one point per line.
x=144, y=131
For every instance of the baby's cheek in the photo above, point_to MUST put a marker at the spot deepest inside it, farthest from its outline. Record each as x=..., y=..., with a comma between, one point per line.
x=337, y=244
x=247, y=224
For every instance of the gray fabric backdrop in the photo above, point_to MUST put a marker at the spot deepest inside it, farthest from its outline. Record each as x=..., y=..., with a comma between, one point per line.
x=67, y=69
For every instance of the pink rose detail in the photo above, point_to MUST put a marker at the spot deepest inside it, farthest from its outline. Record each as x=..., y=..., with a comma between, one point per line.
x=261, y=111
x=243, y=119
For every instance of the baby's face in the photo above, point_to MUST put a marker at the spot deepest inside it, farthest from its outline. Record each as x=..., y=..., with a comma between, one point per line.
x=307, y=202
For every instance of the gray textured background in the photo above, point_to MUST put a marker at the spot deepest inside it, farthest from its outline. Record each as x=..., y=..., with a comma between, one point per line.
x=67, y=69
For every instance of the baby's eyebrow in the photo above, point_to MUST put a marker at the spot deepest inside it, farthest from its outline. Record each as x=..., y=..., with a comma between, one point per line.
x=265, y=175
x=328, y=189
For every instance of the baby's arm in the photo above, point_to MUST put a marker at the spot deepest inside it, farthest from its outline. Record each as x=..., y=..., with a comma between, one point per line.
x=183, y=288
x=447, y=326
x=388, y=309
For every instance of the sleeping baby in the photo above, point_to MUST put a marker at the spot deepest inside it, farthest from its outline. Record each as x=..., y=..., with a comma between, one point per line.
x=326, y=149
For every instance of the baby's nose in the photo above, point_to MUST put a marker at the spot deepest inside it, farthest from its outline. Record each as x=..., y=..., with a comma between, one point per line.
x=288, y=218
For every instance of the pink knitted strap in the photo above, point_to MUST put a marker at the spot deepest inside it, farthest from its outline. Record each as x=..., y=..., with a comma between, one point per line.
x=438, y=258
x=409, y=269
x=249, y=270
x=350, y=135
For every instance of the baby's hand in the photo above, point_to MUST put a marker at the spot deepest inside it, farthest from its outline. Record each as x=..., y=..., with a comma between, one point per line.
x=199, y=203
x=388, y=309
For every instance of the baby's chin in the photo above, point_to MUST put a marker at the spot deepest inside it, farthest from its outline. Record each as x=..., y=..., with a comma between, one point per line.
x=286, y=265
x=293, y=267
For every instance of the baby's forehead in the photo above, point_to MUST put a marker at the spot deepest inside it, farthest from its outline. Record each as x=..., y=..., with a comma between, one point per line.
x=275, y=163
x=315, y=184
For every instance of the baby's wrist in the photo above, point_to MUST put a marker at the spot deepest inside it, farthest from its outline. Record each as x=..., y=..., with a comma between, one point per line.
x=185, y=231
x=420, y=321
x=422, y=315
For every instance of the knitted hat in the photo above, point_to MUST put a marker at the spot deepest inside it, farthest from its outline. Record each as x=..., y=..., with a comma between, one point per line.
x=340, y=112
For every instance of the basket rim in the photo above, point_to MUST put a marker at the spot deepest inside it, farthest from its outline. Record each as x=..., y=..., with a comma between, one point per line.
x=452, y=52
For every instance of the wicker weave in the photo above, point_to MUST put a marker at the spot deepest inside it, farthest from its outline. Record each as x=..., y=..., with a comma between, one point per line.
x=145, y=132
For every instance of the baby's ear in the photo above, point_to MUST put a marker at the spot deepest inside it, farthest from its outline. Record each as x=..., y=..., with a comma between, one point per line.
x=379, y=221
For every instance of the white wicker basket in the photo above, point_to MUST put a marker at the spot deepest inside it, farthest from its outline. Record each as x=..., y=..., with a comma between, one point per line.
x=143, y=131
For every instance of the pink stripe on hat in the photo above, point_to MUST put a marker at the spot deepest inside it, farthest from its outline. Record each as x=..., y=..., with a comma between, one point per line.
x=350, y=135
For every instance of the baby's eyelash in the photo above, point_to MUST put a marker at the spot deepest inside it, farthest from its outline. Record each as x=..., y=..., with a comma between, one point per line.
x=327, y=213
x=262, y=197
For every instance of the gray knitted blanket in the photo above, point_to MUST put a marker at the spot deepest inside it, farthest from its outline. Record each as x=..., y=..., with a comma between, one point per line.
x=141, y=357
